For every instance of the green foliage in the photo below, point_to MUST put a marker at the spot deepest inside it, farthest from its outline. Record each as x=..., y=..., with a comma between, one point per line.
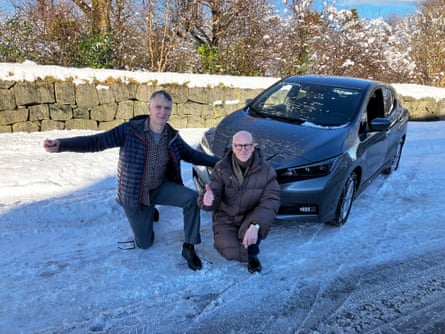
x=16, y=36
x=296, y=65
x=209, y=59
x=95, y=51
x=242, y=59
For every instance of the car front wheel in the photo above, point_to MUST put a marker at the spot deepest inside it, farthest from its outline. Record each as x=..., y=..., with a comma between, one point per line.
x=345, y=202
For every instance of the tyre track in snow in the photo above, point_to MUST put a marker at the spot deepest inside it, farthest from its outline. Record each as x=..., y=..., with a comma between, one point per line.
x=402, y=297
x=396, y=297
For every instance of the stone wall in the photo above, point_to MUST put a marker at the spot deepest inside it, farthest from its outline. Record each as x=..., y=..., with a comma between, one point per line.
x=53, y=104
x=424, y=109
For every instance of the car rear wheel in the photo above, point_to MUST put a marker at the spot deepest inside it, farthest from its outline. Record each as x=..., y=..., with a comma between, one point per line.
x=396, y=159
x=345, y=202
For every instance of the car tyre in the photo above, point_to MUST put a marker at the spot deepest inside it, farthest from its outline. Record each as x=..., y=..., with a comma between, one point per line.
x=345, y=201
x=396, y=159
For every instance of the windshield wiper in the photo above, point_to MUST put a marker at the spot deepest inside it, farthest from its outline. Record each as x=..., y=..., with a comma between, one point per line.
x=276, y=117
x=289, y=119
x=256, y=112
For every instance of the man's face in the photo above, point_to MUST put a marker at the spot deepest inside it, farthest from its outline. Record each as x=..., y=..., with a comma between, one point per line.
x=160, y=110
x=243, y=146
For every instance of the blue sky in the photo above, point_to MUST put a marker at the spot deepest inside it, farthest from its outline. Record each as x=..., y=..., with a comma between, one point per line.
x=366, y=8
x=375, y=8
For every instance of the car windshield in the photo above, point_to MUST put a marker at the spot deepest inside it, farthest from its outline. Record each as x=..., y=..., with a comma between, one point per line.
x=302, y=102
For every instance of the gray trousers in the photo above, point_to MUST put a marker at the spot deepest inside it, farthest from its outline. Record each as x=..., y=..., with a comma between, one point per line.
x=172, y=194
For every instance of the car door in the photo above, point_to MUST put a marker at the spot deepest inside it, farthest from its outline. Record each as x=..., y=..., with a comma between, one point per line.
x=394, y=113
x=373, y=144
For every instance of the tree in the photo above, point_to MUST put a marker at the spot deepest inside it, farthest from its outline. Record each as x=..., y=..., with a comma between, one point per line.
x=231, y=36
x=298, y=33
x=349, y=46
x=248, y=46
x=98, y=13
x=427, y=31
x=16, y=40
x=129, y=31
x=235, y=37
x=166, y=26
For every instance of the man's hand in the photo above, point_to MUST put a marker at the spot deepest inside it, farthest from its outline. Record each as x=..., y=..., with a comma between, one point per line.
x=208, y=197
x=51, y=146
x=251, y=236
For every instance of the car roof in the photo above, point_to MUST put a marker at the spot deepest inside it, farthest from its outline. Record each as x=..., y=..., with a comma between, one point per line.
x=345, y=82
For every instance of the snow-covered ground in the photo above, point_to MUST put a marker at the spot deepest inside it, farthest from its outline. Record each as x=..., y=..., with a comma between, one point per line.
x=61, y=270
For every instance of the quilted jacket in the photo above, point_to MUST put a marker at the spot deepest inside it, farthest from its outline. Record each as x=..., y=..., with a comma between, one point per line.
x=133, y=155
x=256, y=200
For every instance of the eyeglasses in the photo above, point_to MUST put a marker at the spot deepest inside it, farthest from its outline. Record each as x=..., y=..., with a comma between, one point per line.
x=241, y=146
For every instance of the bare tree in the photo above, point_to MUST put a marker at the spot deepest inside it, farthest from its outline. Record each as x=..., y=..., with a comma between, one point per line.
x=236, y=37
x=349, y=46
x=48, y=31
x=232, y=36
x=129, y=35
x=428, y=42
x=167, y=22
x=98, y=13
x=297, y=36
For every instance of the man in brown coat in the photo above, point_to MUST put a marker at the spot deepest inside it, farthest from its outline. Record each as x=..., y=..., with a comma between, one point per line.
x=245, y=196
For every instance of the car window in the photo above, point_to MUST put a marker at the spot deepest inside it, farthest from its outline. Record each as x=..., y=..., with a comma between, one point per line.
x=388, y=100
x=391, y=105
x=313, y=103
x=276, y=98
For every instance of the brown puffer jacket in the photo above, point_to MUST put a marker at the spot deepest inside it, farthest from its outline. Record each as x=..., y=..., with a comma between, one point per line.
x=256, y=200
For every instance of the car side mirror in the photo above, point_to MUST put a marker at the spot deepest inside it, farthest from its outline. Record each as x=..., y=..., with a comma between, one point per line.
x=380, y=124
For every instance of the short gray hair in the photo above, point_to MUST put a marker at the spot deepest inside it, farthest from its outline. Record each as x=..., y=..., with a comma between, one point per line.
x=162, y=93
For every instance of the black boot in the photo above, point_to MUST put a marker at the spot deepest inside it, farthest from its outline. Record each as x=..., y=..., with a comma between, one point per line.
x=188, y=252
x=156, y=215
x=254, y=265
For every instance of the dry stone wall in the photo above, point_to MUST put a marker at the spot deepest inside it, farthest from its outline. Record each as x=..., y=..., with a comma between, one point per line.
x=53, y=104
x=424, y=109
x=50, y=105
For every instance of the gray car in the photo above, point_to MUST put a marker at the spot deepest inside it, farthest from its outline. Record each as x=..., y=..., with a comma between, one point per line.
x=326, y=137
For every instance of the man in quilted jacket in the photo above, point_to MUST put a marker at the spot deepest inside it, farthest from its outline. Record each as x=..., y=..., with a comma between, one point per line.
x=244, y=195
x=149, y=171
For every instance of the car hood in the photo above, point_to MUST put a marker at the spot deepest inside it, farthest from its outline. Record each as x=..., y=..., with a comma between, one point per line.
x=283, y=144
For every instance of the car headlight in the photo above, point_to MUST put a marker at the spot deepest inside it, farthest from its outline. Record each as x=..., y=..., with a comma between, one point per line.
x=305, y=172
x=205, y=145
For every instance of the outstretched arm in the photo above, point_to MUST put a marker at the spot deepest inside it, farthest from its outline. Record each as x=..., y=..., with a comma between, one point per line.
x=194, y=156
x=91, y=143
